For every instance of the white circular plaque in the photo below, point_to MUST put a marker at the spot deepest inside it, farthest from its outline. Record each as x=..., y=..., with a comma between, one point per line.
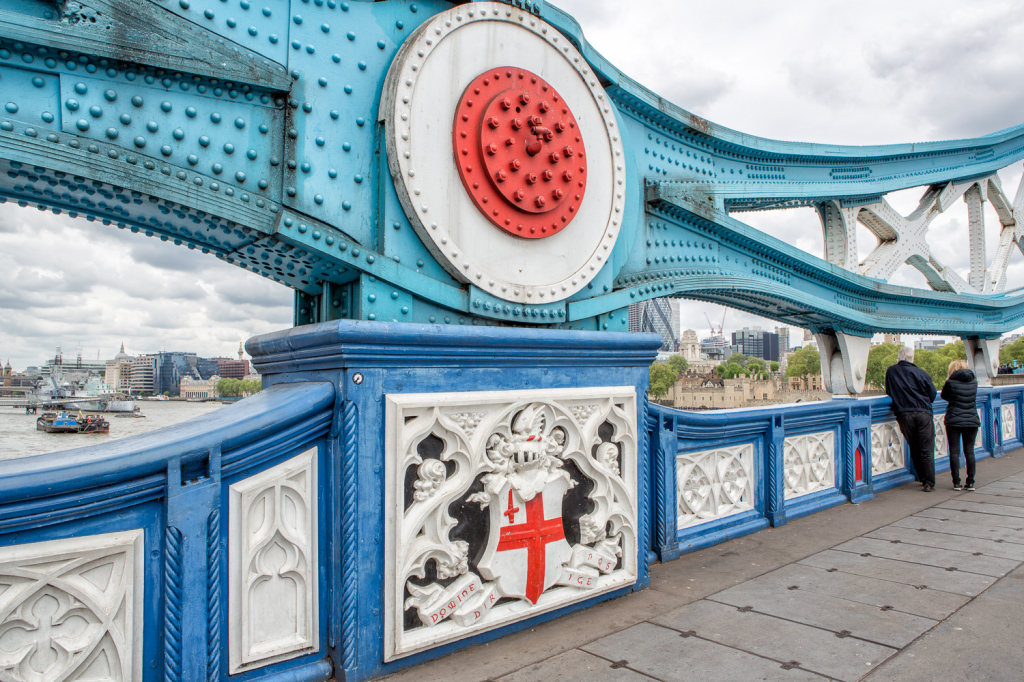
x=431, y=79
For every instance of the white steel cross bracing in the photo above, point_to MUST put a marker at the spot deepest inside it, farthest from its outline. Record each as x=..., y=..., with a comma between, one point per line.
x=903, y=239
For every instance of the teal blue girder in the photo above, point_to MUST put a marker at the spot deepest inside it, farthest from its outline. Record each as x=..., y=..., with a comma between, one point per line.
x=251, y=132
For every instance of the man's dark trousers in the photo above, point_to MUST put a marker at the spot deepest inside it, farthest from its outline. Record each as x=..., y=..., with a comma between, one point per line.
x=919, y=431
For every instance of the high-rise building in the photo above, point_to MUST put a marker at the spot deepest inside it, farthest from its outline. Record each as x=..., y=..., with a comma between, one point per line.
x=659, y=315
x=171, y=368
x=232, y=369
x=140, y=374
x=117, y=372
x=929, y=344
x=755, y=343
x=783, y=333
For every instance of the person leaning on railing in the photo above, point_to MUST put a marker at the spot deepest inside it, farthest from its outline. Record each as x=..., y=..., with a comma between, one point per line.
x=912, y=393
x=962, y=423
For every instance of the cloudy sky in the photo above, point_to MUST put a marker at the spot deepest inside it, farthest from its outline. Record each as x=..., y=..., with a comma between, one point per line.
x=825, y=71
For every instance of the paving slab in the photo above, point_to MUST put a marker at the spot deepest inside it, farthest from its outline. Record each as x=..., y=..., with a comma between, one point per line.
x=664, y=655
x=928, y=555
x=891, y=628
x=1005, y=484
x=971, y=517
x=956, y=582
x=968, y=530
x=508, y=654
x=992, y=498
x=842, y=658
x=984, y=508
x=872, y=591
x=981, y=642
x=574, y=666
x=957, y=543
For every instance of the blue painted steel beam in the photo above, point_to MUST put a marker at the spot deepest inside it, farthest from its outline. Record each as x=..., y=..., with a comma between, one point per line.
x=251, y=132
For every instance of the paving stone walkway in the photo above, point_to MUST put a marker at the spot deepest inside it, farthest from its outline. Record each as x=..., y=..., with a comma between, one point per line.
x=908, y=586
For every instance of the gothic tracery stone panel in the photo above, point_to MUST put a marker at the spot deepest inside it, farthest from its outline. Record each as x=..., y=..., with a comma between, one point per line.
x=72, y=609
x=532, y=509
x=713, y=484
x=272, y=559
x=809, y=463
x=1009, y=419
x=941, y=441
x=886, y=448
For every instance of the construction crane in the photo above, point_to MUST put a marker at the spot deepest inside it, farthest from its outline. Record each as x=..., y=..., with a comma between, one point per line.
x=720, y=326
x=710, y=324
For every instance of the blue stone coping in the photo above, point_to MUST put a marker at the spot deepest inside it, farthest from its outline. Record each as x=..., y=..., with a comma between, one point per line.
x=276, y=410
x=400, y=344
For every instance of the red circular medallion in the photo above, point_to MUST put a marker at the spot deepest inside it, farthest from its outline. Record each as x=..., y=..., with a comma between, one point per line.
x=520, y=153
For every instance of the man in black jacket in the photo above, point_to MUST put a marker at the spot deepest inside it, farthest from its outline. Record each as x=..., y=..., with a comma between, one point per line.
x=912, y=393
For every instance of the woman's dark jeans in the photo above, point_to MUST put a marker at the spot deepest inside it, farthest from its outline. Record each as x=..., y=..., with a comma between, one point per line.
x=953, y=437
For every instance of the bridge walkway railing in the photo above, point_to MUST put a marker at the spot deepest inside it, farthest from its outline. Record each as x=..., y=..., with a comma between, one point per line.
x=161, y=553
x=719, y=475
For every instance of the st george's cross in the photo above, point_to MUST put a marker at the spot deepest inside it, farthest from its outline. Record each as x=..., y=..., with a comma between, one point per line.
x=527, y=549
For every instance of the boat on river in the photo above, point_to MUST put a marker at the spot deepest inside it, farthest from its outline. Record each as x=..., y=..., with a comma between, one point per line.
x=62, y=422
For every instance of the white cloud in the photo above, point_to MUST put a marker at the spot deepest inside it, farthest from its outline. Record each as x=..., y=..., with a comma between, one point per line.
x=855, y=73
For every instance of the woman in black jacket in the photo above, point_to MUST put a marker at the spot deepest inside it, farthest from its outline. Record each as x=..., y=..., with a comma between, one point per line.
x=960, y=393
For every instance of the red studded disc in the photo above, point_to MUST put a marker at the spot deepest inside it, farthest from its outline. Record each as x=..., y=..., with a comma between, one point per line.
x=520, y=153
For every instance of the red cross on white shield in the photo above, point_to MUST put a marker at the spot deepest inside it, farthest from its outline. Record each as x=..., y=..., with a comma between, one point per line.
x=526, y=547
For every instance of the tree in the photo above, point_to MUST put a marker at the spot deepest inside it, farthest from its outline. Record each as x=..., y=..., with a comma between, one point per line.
x=881, y=358
x=773, y=366
x=730, y=371
x=803, y=362
x=755, y=365
x=229, y=387
x=678, y=364
x=662, y=378
x=1012, y=352
x=737, y=359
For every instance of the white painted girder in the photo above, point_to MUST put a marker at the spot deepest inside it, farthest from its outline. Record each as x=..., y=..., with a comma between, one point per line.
x=904, y=239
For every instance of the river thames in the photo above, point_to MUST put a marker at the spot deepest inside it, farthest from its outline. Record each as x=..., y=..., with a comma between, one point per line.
x=19, y=437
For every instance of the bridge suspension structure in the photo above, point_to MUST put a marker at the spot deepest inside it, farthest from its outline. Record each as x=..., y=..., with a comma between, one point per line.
x=286, y=141
x=453, y=442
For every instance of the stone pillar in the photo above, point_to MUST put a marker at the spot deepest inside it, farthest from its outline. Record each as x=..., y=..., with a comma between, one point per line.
x=490, y=476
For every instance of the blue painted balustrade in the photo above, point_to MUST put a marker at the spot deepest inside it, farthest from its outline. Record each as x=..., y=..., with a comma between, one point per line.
x=339, y=525
x=720, y=475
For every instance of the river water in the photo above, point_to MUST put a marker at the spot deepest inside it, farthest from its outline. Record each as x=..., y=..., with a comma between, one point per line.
x=19, y=437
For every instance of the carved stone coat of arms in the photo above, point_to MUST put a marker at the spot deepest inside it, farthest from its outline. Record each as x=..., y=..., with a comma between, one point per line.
x=504, y=505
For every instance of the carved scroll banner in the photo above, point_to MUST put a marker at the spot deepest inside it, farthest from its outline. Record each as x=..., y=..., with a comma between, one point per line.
x=503, y=505
x=72, y=609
